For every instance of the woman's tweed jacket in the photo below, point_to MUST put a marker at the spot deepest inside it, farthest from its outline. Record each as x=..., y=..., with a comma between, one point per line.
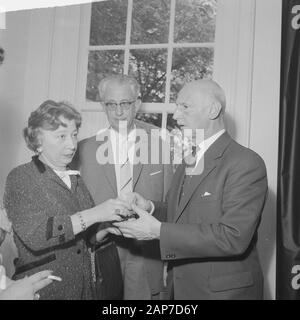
x=39, y=205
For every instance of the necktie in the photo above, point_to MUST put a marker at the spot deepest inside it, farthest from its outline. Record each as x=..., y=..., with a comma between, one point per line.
x=190, y=162
x=126, y=175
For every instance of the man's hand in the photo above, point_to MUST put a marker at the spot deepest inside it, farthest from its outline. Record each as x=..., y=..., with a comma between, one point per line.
x=25, y=289
x=145, y=227
x=137, y=199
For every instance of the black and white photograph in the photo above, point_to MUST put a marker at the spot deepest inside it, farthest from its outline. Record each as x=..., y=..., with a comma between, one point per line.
x=150, y=152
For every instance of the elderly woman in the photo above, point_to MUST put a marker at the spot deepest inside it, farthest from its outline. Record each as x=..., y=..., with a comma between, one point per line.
x=51, y=208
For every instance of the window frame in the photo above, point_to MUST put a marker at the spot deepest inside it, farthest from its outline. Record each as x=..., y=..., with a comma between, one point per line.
x=233, y=65
x=147, y=107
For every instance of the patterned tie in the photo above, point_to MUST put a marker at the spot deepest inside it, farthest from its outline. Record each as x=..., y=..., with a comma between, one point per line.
x=126, y=175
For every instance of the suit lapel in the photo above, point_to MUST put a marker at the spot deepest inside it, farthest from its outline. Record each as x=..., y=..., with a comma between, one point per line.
x=107, y=169
x=137, y=168
x=211, y=160
x=181, y=174
x=194, y=182
x=110, y=175
x=52, y=176
x=56, y=179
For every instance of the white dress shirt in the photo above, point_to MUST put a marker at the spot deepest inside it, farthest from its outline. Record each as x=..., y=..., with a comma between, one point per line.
x=122, y=145
x=205, y=144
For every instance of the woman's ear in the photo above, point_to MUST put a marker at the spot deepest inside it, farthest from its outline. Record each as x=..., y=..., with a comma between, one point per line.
x=39, y=141
x=215, y=110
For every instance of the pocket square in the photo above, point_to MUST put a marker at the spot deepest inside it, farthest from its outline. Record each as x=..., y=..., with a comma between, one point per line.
x=154, y=173
x=206, y=194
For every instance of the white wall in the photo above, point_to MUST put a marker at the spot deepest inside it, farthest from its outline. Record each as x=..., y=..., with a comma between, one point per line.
x=248, y=68
x=12, y=111
x=43, y=51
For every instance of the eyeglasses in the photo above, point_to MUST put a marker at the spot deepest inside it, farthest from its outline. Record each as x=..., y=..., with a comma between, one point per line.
x=124, y=105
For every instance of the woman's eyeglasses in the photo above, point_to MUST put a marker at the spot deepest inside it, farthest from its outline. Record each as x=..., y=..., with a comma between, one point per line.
x=124, y=105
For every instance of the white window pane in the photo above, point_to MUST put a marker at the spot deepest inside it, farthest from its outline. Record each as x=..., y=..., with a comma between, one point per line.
x=101, y=64
x=150, y=21
x=149, y=68
x=190, y=64
x=108, y=22
x=195, y=20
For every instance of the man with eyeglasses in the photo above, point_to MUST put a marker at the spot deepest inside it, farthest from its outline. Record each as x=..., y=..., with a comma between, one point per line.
x=123, y=173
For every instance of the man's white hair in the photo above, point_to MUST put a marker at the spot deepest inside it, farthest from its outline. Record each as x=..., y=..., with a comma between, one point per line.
x=119, y=79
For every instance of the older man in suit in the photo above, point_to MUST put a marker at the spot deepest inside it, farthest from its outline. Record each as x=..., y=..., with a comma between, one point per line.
x=213, y=213
x=123, y=167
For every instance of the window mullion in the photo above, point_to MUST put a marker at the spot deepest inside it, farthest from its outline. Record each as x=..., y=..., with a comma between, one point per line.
x=164, y=120
x=128, y=33
x=170, y=51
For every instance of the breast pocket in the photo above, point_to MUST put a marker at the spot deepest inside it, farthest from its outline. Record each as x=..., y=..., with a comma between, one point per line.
x=205, y=209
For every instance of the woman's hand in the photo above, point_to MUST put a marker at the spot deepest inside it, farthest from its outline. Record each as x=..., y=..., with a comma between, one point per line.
x=112, y=210
x=26, y=288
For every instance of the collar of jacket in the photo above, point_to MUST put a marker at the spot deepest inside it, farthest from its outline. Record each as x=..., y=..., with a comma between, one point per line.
x=40, y=165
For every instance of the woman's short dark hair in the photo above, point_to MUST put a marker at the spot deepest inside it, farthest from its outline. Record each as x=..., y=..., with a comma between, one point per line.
x=46, y=117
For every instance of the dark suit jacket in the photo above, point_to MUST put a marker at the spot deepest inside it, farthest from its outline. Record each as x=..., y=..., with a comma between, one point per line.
x=150, y=180
x=39, y=204
x=209, y=239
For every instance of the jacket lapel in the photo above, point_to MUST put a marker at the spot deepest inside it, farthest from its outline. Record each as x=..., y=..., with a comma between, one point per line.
x=137, y=168
x=51, y=175
x=211, y=160
x=110, y=175
x=181, y=174
x=194, y=182
x=107, y=169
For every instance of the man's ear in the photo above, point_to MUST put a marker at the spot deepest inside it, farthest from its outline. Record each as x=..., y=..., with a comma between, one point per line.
x=215, y=110
x=137, y=105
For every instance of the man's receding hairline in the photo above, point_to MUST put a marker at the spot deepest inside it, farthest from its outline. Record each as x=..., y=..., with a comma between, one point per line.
x=208, y=88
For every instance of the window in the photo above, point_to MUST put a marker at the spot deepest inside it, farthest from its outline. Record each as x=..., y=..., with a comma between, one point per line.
x=163, y=43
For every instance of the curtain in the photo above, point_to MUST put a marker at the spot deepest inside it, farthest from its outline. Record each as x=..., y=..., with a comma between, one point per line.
x=288, y=201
